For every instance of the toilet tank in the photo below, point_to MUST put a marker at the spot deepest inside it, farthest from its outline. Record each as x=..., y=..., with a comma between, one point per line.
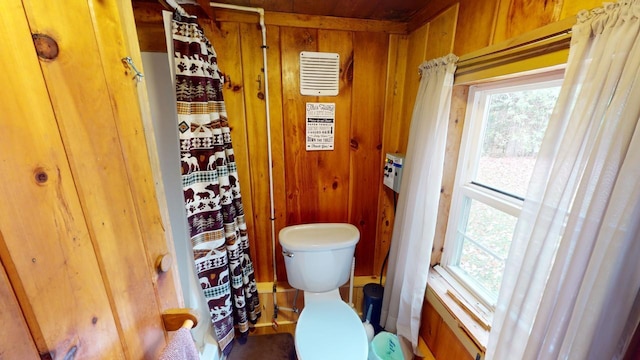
x=318, y=257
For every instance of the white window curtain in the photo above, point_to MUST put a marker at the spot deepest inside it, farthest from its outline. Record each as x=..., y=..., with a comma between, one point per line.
x=570, y=288
x=417, y=209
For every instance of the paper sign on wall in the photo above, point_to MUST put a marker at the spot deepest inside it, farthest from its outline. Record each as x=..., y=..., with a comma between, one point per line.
x=320, y=126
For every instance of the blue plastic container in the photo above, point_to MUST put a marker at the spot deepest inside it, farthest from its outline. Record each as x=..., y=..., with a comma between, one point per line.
x=373, y=298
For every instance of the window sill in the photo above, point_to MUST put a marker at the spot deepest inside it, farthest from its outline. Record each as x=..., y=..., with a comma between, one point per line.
x=445, y=297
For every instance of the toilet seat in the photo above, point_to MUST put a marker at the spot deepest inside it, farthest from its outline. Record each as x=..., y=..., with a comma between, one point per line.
x=330, y=329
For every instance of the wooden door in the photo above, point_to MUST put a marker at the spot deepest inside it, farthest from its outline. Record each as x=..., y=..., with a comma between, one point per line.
x=80, y=228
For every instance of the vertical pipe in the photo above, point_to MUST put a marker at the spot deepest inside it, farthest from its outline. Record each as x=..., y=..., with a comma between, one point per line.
x=353, y=268
x=272, y=216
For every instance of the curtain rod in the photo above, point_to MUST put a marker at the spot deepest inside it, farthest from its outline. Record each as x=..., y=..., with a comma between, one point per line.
x=237, y=7
x=174, y=5
x=558, y=35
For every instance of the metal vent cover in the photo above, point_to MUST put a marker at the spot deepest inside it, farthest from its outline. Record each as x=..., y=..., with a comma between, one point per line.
x=319, y=73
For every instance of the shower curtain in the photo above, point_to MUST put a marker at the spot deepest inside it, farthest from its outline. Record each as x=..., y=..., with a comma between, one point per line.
x=212, y=198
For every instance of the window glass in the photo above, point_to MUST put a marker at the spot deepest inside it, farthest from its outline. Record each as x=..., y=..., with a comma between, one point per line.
x=514, y=127
x=504, y=127
x=485, y=244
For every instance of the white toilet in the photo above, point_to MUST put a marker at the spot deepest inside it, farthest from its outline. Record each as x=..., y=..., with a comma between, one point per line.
x=318, y=261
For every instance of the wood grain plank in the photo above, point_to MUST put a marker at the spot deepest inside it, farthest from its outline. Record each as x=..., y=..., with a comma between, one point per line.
x=15, y=340
x=370, y=56
x=573, y=7
x=300, y=177
x=111, y=24
x=396, y=72
x=454, y=137
x=430, y=323
x=150, y=12
x=366, y=9
x=439, y=337
x=415, y=56
x=152, y=38
x=256, y=140
x=313, y=7
x=516, y=17
x=168, y=285
x=88, y=121
x=442, y=31
x=149, y=26
x=333, y=166
x=46, y=247
x=475, y=25
x=331, y=23
x=277, y=148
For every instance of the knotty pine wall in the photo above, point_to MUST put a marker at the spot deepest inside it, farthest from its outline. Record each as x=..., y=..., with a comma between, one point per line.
x=77, y=248
x=343, y=185
x=379, y=82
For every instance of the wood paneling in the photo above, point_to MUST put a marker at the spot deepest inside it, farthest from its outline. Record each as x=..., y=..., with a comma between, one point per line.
x=91, y=143
x=155, y=218
x=255, y=130
x=454, y=137
x=15, y=340
x=369, y=76
x=300, y=177
x=475, y=25
x=80, y=223
x=391, y=142
x=277, y=149
x=149, y=22
x=442, y=31
x=46, y=249
x=509, y=20
x=416, y=55
x=442, y=342
x=110, y=24
x=311, y=186
x=314, y=186
x=570, y=8
x=80, y=229
x=396, y=11
x=333, y=171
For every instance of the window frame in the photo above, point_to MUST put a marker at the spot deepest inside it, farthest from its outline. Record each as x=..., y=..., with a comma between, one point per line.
x=465, y=191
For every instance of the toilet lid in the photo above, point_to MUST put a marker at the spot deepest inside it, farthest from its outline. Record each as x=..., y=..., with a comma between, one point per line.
x=330, y=330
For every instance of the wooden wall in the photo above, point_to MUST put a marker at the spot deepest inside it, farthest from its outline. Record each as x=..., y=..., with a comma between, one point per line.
x=378, y=83
x=342, y=185
x=80, y=227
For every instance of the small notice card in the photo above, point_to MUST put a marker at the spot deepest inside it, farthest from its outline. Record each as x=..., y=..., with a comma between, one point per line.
x=320, y=126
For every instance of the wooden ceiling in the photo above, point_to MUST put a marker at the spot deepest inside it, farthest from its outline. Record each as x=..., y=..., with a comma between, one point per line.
x=395, y=10
x=392, y=10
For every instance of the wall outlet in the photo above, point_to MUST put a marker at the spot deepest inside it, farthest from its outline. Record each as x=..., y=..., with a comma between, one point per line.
x=392, y=172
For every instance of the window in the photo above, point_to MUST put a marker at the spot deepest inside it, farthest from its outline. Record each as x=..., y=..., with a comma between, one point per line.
x=505, y=123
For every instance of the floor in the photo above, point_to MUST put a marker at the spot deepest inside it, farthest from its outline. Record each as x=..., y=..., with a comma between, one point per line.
x=291, y=329
x=279, y=346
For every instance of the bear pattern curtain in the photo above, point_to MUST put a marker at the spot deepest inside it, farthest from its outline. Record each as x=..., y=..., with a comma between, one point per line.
x=571, y=282
x=212, y=197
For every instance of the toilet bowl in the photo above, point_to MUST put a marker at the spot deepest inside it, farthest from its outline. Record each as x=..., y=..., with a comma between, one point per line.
x=318, y=261
x=328, y=328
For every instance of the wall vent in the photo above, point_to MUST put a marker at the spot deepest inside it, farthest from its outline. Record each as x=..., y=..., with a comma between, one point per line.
x=319, y=73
